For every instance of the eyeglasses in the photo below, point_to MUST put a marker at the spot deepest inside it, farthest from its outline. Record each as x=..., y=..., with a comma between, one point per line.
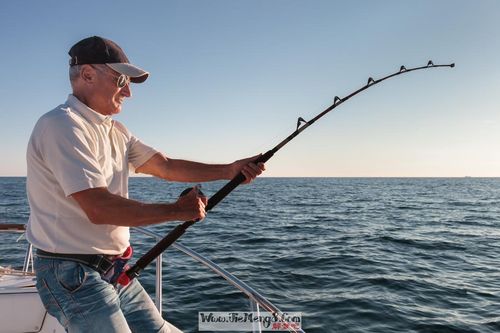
x=121, y=80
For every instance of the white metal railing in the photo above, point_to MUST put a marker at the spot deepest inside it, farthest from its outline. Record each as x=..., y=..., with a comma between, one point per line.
x=256, y=300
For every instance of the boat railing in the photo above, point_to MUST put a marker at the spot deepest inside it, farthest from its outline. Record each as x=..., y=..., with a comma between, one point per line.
x=20, y=228
x=257, y=301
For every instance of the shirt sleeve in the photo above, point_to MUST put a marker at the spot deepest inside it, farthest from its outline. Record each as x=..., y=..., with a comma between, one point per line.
x=139, y=152
x=70, y=155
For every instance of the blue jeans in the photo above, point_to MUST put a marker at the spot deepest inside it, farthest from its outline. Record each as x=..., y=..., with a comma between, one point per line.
x=83, y=302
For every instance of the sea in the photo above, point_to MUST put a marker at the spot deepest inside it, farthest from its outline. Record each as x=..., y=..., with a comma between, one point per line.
x=352, y=255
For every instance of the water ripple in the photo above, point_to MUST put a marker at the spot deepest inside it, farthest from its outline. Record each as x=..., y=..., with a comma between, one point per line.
x=353, y=255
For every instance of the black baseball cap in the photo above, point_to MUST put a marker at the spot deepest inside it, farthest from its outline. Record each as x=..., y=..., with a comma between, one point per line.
x=98, y=50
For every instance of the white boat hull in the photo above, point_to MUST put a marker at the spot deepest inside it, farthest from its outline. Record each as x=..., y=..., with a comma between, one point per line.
x=21, y=309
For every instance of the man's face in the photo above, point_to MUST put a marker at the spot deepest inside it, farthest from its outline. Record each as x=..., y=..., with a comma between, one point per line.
x=107, y=97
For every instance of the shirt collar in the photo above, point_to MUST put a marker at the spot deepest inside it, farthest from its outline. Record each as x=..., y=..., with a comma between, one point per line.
x=90, y=115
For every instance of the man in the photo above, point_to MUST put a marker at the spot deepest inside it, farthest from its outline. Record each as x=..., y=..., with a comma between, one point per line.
x=78, y=163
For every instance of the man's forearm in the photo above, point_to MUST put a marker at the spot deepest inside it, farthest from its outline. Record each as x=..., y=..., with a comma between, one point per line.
x=103, y=207
x=189, y=171
x=185, y=171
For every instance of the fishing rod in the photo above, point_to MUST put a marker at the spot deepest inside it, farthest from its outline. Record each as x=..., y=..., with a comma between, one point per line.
x=302, y=124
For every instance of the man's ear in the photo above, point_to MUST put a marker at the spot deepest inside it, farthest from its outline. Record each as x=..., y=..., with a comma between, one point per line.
x=88, y=74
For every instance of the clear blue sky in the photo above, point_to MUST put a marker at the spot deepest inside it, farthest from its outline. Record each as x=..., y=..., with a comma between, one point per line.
x=229, y=79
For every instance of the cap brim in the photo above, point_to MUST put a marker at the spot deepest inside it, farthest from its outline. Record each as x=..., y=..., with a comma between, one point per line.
x=136, y=74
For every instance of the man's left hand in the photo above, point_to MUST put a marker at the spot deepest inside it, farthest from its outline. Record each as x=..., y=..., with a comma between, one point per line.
x=248, y=168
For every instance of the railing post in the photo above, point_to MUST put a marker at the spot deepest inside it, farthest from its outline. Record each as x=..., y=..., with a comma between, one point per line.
x=256, y=325
x=28, y=259
x=159, y=284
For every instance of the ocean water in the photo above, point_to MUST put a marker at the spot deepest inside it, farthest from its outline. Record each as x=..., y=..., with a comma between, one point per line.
x=353, y=255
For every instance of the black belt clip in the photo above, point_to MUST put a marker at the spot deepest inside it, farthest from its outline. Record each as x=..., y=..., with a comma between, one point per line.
x=101, y=263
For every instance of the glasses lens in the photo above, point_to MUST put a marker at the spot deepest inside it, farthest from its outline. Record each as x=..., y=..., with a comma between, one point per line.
x=122, y=81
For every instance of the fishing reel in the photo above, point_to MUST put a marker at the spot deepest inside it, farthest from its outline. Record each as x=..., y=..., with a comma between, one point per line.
x=197, y=188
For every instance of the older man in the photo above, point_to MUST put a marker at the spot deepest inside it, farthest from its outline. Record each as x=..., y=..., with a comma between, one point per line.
x=78, y=164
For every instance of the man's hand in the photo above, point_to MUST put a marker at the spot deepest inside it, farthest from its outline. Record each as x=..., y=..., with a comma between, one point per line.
x=191, y=206
x=248, y=168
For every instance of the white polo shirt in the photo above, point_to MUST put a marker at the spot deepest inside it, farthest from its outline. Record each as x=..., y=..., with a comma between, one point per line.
x=73, y=148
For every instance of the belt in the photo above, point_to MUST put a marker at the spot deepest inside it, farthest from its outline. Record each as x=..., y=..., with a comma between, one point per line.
x=99, y=262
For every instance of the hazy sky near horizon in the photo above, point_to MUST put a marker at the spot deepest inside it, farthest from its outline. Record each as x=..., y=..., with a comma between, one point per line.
x=230, y=77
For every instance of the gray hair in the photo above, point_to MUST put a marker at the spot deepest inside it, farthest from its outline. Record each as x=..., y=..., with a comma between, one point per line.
x=74, y=73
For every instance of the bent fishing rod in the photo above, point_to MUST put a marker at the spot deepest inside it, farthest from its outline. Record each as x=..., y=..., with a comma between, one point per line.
x=302, y=124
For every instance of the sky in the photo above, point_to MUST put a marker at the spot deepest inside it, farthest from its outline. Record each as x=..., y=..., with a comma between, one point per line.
x=229, y=78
